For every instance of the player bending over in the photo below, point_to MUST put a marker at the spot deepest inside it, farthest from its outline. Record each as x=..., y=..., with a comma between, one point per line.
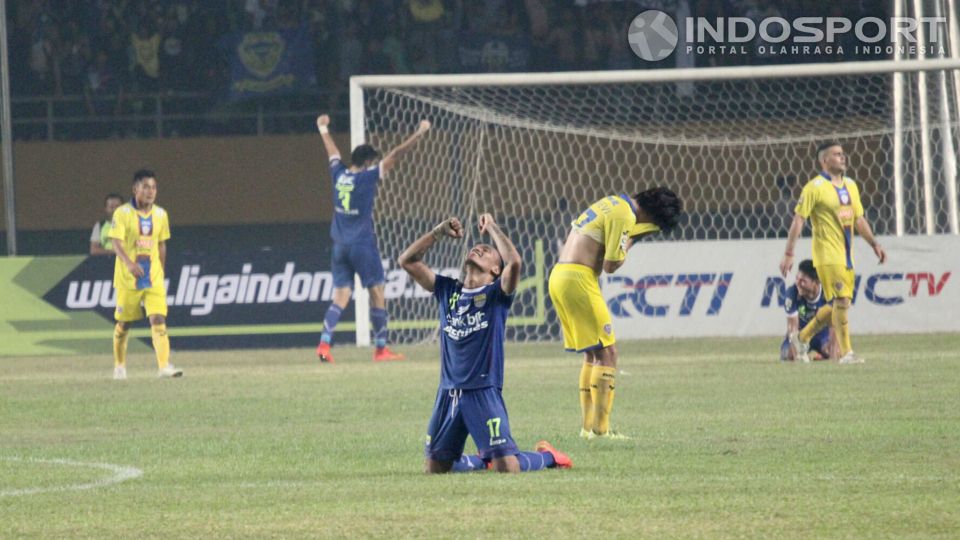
x=473, y=318
x=808, y=317
x=599, y=241
x=354, y=240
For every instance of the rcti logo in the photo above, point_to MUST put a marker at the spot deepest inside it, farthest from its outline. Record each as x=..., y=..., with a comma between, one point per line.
x=637, y=293
x=880, y=289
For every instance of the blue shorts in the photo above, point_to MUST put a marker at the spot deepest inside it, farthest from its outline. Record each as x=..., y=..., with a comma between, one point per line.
x=819, y=344
x=479, y=413
x=362, y=259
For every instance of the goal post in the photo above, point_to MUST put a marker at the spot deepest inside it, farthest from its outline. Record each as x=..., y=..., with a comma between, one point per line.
x=736, y=143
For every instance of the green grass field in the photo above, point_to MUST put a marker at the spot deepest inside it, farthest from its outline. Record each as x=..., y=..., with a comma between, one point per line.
x=267, y=443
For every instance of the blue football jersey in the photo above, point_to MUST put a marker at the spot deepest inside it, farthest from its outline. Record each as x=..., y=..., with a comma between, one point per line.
x=472, y=329
x=805, y=309
x=353, y=197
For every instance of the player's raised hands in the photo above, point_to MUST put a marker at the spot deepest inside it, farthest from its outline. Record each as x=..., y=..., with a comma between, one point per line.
x=323, y=121
x=424, y=126
x=486, y=221
x=448, y=228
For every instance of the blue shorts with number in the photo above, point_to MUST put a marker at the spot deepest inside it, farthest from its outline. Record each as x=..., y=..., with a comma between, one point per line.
x=361, y=258
x=479, y=413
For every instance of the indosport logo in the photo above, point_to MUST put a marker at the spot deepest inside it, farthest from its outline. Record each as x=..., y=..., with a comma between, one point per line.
x=653, y=35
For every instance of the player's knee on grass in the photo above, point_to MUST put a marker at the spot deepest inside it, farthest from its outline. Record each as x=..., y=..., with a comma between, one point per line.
x=507, y=464
x=432, y=466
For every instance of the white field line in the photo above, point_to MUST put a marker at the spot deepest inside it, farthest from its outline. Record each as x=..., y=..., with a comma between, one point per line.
x=120, y=474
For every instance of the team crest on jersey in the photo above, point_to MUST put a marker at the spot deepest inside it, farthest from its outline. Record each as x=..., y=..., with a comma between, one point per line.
x=844, y=197
x=480, y=300
x=838, y=285
x=607, y=328
x=146, y=226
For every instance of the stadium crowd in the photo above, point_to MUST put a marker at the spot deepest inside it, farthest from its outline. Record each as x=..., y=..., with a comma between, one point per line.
x=105, y=49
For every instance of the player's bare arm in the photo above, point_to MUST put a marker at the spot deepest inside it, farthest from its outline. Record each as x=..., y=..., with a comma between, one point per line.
x=612, y=266
x=512, y=264
x=162, y=250
x=864, y=230
x=133, y=267
x=390, y=160
x=795, y=229
x=411, y=260
x=323, y=126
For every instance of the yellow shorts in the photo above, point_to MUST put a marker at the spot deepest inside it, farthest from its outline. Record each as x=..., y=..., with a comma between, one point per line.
x=153, y=300
x=837, y=281
x=580, y=306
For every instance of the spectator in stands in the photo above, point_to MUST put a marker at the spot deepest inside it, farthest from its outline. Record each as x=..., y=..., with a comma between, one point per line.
x=100, y=243
x=145, y=53
x=103, y=93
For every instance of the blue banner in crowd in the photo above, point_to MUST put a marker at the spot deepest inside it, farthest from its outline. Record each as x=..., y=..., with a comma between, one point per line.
x=270, y=63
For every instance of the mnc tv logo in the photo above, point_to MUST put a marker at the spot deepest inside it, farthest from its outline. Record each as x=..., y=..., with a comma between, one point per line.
x=883, y=289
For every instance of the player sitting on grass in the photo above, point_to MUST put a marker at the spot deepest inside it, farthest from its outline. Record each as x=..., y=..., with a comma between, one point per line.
x=808, y=315
x=473, y=318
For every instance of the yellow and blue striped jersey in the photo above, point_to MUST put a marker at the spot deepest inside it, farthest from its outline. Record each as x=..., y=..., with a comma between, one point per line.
x=611, y=221
x=832, y=212
x=140, y=235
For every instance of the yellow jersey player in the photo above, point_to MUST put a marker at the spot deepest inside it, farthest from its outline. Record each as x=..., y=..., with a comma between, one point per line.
x=832, y=203
x=139, y=233
x=599, y=241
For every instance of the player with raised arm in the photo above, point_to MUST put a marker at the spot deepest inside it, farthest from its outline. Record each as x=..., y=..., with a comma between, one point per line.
x=832, y=203
x=598, y=242
x=473, y=319
x=139, y=234
x=355, y=248
x=808, y=317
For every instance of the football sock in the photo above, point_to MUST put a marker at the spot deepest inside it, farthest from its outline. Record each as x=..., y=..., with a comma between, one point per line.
x=161, y=344
x=469, y=463
x=535, y=461
x=120, y=345
x=378, y=318
x=820, y=321
x=586, y=403
x=841, y=328
x=330, y=321
x=601, y=391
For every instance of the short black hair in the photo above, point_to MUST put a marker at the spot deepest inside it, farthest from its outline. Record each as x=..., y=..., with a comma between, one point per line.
x=806, y=266
x=113, y=196
x=663, y=206
x=143, y=173
x=823, y=146
x=362, y=154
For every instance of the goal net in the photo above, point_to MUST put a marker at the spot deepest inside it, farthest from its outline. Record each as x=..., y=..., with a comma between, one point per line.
x=737, y=144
